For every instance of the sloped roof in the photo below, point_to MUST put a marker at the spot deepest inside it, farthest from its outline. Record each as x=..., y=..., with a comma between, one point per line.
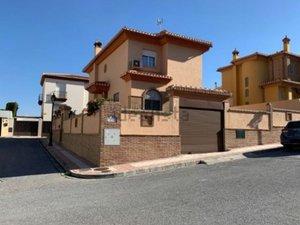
x=64, y=76
x=160, y=38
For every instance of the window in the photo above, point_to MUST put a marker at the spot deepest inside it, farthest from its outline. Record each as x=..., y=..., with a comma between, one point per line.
x=152, y=100
x=246, y=92
x=135, y=102
x=246, y=82
x=105, y=68
x=240, y=134
x=148, y=59
x=147, y=121
x=76, y=122
x=116, y=97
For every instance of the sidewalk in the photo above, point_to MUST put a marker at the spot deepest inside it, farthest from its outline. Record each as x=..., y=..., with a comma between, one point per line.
x=78, y=167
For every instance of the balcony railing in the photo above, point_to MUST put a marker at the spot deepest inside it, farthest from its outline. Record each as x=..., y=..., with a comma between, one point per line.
x=60, y=96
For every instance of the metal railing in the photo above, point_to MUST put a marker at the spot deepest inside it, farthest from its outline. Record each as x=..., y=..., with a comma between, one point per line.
x=60, y=95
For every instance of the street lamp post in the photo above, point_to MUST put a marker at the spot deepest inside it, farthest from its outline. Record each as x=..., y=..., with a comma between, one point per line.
x=53, y=98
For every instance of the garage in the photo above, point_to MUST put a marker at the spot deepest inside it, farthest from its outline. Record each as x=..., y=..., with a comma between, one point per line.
x=28, y=126
x=201, y=130
x=201, y=118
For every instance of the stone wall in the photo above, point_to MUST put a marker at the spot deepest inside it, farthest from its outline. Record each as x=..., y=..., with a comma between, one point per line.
x=252, y=137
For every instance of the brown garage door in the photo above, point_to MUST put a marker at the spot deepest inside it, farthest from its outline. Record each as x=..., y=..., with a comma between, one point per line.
x=26, y=128
x=200, y=130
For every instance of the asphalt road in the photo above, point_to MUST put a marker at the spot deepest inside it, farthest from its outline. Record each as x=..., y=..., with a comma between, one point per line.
x=262, y=189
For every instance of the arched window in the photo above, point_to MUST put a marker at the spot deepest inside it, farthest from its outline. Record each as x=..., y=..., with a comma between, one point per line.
x=152, y=100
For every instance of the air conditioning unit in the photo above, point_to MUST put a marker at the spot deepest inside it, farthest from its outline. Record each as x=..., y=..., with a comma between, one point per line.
x=134, y=64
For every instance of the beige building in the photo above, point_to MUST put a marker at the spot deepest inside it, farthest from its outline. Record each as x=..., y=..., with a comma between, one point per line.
x=160, y=108
x=135, y=66
x=6, y=123
x=258, y=77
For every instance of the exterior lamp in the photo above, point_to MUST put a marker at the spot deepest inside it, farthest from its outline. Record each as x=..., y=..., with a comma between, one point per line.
x=53, y=99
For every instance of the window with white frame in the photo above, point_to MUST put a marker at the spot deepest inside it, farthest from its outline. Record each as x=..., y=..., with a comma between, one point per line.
x=149, y=59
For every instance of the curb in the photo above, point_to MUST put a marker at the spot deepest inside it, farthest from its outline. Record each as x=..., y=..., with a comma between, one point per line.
x=53, y=158
x=135, y=172
x=206, y=161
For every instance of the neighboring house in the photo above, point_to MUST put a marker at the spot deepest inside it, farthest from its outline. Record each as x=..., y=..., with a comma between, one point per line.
x=6, y=123
x=258, y=78
x=65, y=86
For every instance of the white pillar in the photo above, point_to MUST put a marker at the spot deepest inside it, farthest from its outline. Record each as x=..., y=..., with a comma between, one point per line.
x=40, y=127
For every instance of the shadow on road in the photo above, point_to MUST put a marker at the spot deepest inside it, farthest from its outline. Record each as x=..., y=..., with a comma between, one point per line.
x=276, y=152
x=23, y=157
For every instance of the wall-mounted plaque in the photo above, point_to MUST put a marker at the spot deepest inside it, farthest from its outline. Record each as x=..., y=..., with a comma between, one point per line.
x=111, y=119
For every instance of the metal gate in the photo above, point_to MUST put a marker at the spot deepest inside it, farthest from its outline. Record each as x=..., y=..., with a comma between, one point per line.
x=201, y=129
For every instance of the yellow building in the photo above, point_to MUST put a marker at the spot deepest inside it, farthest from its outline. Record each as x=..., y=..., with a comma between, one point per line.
x=258, y=78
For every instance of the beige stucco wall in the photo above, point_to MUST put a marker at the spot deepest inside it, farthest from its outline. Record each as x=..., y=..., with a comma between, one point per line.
x=74, y=129
x=296, y=116
x=233, y=80
x=243, y=120
x=91, y=123
x=117, y=65
x=228, y=81
x=184, y=65
x=5, y=128
x=279, y=119
x=67, y=126
x=285, y=104
x=136, y=49
x=271, y=93
x=139, y=87
x=163, y=125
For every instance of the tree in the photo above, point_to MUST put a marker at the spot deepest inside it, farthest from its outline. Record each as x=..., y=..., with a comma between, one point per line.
x=12, y=106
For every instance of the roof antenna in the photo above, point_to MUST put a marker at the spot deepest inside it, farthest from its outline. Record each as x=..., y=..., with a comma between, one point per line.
x=159, y=22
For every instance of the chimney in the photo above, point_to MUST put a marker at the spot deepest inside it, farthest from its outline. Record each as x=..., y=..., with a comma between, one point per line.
x=97, y=47
x=235, y=54
x=286, y=44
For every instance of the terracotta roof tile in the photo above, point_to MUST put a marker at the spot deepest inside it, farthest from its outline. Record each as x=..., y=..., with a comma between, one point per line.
x=146, y=76
x=157, y=36
x=199, y=90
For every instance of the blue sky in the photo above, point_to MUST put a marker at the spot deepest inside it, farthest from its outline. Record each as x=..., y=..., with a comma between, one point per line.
x=57, y=36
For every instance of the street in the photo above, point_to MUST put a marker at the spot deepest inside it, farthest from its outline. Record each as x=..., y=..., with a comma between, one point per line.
x=264, y=188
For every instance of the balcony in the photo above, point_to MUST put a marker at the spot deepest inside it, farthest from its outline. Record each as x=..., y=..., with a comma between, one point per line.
x=98, y=87
x=60, y=96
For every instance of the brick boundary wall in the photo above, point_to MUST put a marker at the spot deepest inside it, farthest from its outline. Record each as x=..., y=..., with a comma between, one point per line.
x=132, y=148
x=252, y=137
x=86, y=146
x=139, y=148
